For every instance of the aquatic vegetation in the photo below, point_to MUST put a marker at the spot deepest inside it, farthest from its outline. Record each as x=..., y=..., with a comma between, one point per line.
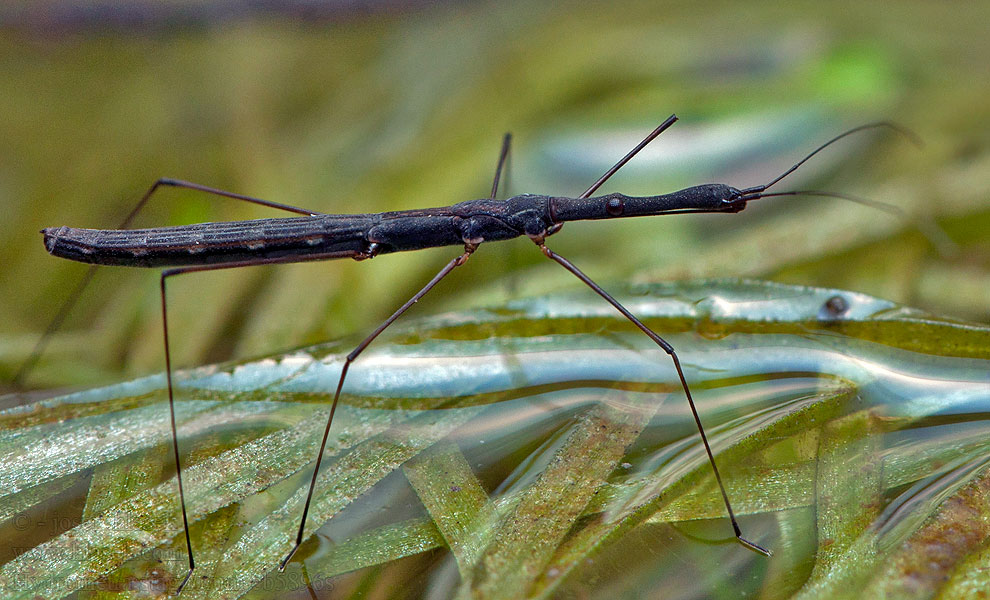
x=542, y=448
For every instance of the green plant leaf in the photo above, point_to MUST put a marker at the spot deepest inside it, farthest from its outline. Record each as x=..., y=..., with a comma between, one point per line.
x=538, y=449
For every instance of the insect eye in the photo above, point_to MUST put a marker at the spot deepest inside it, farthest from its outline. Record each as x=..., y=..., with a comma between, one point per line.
x=614, y=206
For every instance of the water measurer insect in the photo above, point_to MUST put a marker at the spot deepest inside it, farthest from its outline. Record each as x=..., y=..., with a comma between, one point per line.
x=315, y=236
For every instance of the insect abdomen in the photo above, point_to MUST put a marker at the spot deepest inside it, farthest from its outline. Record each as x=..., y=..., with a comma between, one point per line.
x=210, y=243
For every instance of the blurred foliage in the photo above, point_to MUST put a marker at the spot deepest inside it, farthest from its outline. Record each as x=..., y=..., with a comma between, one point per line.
x=405, y=109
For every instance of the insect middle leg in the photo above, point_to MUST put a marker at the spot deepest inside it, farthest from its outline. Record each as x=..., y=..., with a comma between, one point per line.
x=460, y=260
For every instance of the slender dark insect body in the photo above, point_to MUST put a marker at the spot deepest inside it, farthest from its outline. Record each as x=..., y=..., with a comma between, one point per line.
x=365, y=236
x=314, y=236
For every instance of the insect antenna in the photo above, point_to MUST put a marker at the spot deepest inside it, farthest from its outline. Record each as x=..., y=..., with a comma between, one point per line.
x=943, y=243
x=884, y=206
x=755, y=192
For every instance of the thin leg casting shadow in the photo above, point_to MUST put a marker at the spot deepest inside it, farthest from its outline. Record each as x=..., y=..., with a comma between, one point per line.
x=680, y=374
x=460, y=260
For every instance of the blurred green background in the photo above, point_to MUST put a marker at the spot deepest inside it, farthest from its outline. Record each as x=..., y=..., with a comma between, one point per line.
x=397, y=106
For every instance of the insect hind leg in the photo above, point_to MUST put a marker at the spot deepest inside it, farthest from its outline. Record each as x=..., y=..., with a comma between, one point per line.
x=69, y=303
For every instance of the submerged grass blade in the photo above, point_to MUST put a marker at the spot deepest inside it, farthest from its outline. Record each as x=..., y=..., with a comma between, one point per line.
x=20, y=502
x=959, y=529
x=453, y=496
x=850, y=485
x=372, y=548
x=148, y=519
x=595, y=536
x=524, y=540
x=48, y=451
x=920, y=565
x=115, y=481
x=259, y=549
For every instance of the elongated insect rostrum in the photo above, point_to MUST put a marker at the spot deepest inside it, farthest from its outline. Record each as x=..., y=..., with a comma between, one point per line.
x=315, y=236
